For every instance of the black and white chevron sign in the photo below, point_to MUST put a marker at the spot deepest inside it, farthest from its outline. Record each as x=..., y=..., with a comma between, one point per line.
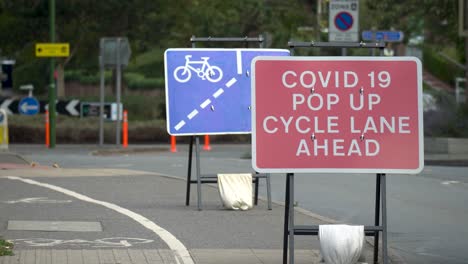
x=68, y=107
x=9, y=105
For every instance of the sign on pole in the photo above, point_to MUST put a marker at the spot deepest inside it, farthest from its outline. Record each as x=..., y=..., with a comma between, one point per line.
x=28, y=106
x=337, y=114
x=343, y=21
x=6, y=77
x=93, y=109
x=208, y=90
x=115, y=51
x=52, y=49
x=386, y=36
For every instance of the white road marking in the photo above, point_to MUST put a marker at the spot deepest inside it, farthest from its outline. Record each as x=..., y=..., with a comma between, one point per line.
x=239, y=61
x=180, y=125
x=205, y=104
x=37, y=200
x=180, y=251
x=231, y=82
x=120, y=242
x=193, y=114
x=450, y=182
x=125, y=243
x=218, y=93
x=123, y=165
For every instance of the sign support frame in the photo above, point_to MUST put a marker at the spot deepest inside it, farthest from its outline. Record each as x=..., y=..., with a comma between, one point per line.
x=290, y=229
x=201, y=179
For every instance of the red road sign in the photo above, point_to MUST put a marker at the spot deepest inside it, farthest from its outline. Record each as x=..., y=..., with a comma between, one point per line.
x=337, y=114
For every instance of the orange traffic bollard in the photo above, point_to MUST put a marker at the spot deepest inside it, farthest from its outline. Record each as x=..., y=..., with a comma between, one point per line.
x=125, y=129
x=207, y=143
x=47, y=129
x=173, y=144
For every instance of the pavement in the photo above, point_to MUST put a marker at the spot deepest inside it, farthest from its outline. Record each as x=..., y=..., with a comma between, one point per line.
x=234, y=224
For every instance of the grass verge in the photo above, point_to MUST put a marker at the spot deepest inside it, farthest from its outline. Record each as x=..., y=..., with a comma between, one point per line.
x=6, y=248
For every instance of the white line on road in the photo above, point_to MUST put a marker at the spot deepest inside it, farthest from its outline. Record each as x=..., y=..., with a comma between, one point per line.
x=37, y=200
x=180, y=251
x=449, y=182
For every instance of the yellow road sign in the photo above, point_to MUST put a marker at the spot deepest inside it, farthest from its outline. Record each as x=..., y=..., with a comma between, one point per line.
x=52, y=49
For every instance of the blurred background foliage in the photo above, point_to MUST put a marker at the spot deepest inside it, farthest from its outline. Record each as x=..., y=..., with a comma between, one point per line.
x=154, y=26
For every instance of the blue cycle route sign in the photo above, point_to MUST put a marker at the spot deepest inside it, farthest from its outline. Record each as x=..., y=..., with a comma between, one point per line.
x=28, y=106
x=208, y=90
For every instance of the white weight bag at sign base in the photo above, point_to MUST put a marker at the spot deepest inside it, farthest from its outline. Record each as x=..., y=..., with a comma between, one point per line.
x=236, y=190
x=341, y=244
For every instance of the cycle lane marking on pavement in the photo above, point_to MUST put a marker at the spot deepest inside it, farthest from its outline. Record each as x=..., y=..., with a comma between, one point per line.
x=36, y=200
x=182, y=255
x=108, y=242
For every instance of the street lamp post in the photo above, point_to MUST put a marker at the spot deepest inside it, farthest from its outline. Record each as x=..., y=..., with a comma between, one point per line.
x=52, y=96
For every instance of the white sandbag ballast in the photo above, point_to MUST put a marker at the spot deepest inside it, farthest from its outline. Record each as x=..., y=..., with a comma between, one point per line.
x=236, y=190
x=341, y=244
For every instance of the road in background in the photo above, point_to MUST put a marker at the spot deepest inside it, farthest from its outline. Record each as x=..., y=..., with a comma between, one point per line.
x=426, y=212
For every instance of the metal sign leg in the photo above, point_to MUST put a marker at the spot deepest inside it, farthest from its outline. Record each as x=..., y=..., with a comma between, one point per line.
x=197, y=160
x=256, y=191
x=384, y=219
x=189, y=172
x=286, y=222
x=268, y=191
x=381, y=197
x=377, y=218
x=291, y=218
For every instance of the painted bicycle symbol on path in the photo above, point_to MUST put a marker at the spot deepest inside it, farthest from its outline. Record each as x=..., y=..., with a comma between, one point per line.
x=110, y=242
x=202, y=68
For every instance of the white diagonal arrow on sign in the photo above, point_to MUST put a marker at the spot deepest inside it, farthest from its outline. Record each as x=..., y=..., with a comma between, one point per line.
x=71, y=107
x=6, y=105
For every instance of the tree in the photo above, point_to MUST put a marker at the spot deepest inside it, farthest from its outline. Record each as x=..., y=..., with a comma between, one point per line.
x=435, y=19
x=153, y=24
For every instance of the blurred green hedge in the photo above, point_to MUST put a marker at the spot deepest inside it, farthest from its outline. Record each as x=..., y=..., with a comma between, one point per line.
x=137, y=81
x=440, y=67
x=133, y=80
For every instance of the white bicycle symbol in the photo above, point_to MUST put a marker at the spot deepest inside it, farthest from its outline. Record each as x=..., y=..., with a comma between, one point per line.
x=212, y=73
